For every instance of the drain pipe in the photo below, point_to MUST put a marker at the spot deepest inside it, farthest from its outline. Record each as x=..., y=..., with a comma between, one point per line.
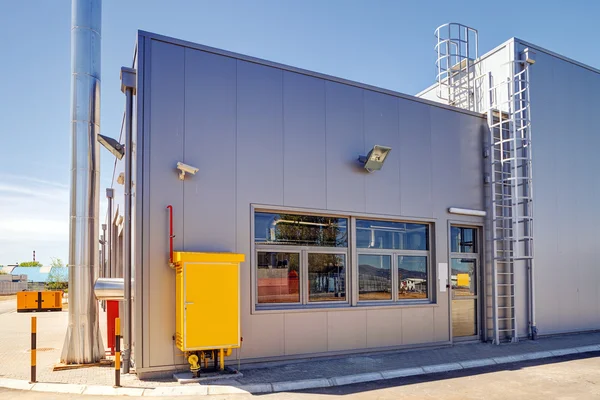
x=127, y=87
x=83, y=343
x=109, y=196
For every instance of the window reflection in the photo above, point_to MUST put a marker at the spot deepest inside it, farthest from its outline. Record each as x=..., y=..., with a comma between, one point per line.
x=374, y=277
x=300, y=230
x=412, y=277
x=464, y=282
x=278, y=277
x=463, y=240
x=326, y=277
x=464, y=317
x=391, y=235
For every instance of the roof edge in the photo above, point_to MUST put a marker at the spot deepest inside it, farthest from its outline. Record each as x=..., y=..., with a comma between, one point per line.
x=554, y=54
x=197, y=46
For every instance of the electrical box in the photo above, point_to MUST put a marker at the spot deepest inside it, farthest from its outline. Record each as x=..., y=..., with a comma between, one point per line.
x=207, y=300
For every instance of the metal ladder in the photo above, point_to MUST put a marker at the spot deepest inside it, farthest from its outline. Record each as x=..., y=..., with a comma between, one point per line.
x=511, y=192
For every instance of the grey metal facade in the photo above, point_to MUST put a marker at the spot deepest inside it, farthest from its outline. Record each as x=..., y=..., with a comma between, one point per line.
x=565, y=188
x=271, y=137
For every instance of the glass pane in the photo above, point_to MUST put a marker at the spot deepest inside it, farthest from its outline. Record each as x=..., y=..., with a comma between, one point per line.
x=464, y=317
x=412, y=277
x=374, y=277
x=278, y=277
x=301, y=230
x=463, y=240
x=464, y=282
x=326, y=277
x=391, y=235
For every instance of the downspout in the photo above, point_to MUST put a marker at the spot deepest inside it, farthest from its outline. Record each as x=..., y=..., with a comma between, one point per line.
x=83, y=344
x=128, y=87
x=109, y=196
x=103, y=252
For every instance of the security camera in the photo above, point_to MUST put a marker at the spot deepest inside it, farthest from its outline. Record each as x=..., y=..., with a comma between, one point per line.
x=184, y=168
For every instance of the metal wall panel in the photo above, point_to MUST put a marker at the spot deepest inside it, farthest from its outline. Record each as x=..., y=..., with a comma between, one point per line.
x=166, y=147
x=384, y=327
x=415, y=148
x=417, y=325
x=304, y=164
x=346, y=330
x=264, y=136
x=210, y=145
x=381, y=128
x=305, y=333
x=259, y=166
x=566, y=186
x=345, y=142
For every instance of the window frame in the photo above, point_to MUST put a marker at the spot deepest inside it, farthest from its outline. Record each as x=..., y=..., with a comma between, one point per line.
x=351, y=253
x=394, y=265
x=269, y=249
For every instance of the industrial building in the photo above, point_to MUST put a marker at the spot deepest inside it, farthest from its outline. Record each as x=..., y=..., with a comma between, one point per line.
x=368, y=219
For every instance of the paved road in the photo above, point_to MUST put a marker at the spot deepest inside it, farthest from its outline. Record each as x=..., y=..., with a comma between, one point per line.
x=564, y=378
x=8, y=305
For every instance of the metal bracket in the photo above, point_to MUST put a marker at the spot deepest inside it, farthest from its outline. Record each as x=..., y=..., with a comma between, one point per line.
x=128, y=79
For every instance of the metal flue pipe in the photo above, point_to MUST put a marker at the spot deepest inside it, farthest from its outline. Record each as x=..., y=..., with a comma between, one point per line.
x=109, y=268
x=109, y=289
x=83, y=344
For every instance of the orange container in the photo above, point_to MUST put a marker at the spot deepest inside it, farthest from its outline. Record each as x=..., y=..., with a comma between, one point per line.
x=27, y=301
x=39, y=301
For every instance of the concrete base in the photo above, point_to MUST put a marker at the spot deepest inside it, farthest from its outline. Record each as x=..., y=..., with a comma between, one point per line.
x=187, y=377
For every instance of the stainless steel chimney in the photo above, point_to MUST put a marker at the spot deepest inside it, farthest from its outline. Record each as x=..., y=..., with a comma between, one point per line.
x=83, y=343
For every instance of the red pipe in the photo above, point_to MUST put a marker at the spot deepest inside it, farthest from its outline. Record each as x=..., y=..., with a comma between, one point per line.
x=171, y=236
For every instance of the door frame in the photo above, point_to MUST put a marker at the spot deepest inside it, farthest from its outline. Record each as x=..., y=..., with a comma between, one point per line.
x=478, y=257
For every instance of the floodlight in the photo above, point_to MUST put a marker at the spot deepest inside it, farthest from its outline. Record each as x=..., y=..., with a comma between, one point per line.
x=375, y=159
x=112, y=145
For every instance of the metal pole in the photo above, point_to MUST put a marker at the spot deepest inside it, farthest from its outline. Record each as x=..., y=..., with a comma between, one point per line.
x=117, y=352
x=103, y=259
x=127, y=86
x=109, y=267
x=83, y=343
x=33, y=349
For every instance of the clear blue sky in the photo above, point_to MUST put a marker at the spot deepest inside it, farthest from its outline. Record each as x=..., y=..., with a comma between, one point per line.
x=383, y=43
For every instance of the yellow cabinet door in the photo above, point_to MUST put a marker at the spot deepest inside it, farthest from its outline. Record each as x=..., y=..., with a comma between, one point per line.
x=211, y=305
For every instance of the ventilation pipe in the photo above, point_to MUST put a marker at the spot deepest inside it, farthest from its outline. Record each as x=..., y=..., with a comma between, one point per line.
x=83, y=344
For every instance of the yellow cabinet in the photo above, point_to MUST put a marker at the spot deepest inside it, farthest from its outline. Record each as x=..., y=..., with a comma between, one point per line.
x=207, y=300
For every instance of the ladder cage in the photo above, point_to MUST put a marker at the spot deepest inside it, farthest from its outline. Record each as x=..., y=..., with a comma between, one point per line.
x=457, y=49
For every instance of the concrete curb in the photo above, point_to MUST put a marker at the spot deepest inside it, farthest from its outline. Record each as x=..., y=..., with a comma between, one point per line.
x=172, y=391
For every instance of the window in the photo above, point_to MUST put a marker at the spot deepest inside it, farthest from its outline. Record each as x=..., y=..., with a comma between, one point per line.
x=412, y=277
x=278, y=277
x=374, y=277
x=463, y=240
x=326, y=277
x=300, y=230
x=393, y=255
x=304, y=261
x=391, y=235
x=300, y=259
